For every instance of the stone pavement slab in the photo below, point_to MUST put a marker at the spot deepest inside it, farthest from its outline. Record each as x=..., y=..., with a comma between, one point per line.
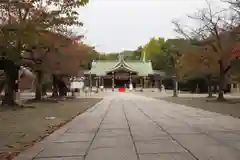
x=75, y=137
x=63, y=158
x=126, y=126
x=167, y=156
x=65, y=149
x=113, y=133
x=111, y=154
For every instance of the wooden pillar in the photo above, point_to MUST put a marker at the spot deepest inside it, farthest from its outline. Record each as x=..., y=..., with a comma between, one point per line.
x=175, y=85
x=145, y=85
x=144, y=80
x=96, y=82
x=151, y=83
x=102, y=79
x=90, y=81
x=99, y=81
x=130, y=78
x=141, y=83
x=113, y=83
x=156, y=82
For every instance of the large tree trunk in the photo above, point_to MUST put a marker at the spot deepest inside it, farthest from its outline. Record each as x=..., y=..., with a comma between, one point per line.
x=221, y=82
x=11, y=84
x=175, y=89
x=210, y=92
x=221, y=91
x=44, y=89
x=62, y=88
x=38, y=89
x=9, y=96
x=1, y=81
x=55, y=86
x=1, y=85
x=59, y=87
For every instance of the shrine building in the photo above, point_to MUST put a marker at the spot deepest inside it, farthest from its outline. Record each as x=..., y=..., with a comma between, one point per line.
x=121, y=73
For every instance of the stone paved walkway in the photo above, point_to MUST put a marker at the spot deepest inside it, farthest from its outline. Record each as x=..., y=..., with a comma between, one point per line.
x=125, y=126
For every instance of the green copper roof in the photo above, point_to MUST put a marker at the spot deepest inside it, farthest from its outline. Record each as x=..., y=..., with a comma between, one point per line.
x=101, y=68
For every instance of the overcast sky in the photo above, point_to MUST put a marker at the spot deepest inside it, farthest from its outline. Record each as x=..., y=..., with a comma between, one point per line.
x=116, y=25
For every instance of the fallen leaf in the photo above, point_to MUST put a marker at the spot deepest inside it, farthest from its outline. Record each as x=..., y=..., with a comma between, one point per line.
x=10, y=146
x=24, y=135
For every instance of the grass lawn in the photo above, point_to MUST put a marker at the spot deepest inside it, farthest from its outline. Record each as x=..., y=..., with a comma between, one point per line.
x=23, y=127
x=230, y=107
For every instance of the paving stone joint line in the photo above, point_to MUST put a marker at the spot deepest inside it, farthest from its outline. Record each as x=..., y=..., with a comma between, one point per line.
x=165, y=131
x=88, y=149
x=129, y=128
x=202, y=132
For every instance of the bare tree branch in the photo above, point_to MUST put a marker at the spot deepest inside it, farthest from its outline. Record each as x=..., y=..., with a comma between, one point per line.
x=215, y=32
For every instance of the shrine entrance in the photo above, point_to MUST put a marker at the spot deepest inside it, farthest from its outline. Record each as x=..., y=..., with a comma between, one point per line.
x=122, y=79
x=121, y=83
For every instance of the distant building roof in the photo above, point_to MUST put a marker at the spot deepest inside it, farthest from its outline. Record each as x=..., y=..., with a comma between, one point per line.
x=102, y=67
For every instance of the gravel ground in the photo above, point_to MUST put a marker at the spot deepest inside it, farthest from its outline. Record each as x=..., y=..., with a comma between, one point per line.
x=230, y=107
x=20, y=128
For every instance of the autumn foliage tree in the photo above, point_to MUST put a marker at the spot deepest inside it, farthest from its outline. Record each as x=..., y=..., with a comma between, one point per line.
x=23, y=24
x=69, y=63
x=54, y=54
x=195, y=63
